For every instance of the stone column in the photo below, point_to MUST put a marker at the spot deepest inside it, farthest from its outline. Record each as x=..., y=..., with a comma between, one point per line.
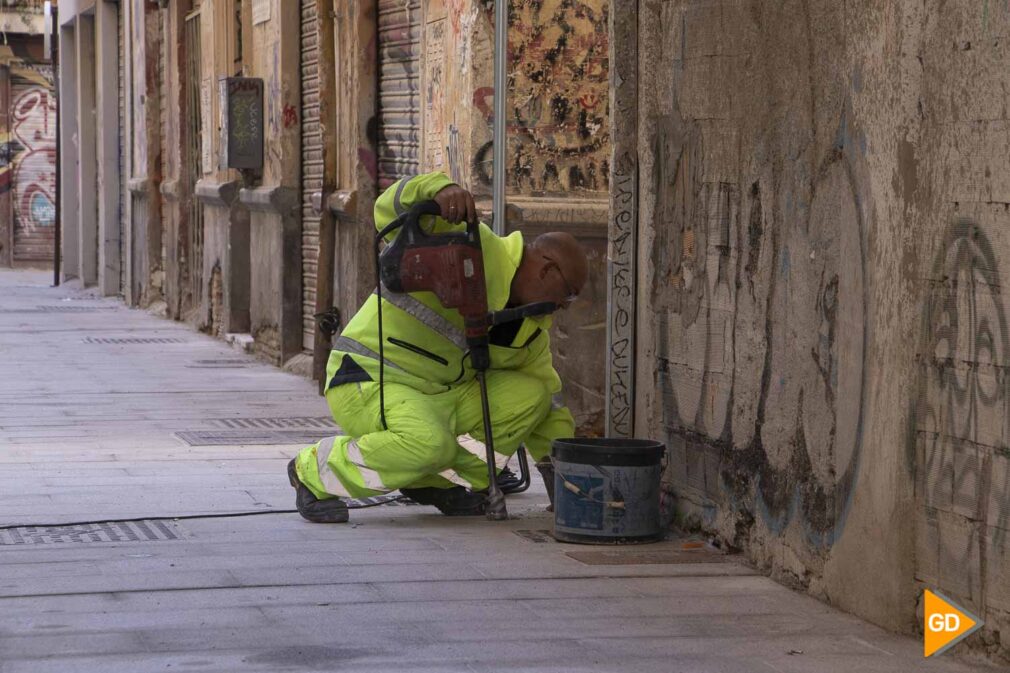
x=106, y=72
x=69, y=203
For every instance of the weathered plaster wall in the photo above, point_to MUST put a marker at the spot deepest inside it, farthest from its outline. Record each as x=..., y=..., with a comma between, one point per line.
x=275, y=220
x=224, y=292
x=823, y=192
x=175, y=231
x=952, y=172
x=558, y=118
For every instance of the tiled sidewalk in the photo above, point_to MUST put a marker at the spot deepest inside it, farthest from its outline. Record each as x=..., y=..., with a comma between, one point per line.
x=92, y=398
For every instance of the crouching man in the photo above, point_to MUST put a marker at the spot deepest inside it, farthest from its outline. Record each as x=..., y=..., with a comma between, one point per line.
x=433, y=448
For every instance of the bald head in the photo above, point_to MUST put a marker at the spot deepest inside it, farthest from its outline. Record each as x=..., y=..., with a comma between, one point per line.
x=568, y=253
x=554, y=268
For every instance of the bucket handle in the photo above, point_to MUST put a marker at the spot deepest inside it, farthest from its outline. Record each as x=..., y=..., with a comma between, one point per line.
x=574, y=488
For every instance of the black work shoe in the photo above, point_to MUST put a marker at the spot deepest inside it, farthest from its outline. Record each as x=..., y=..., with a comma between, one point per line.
x=327, y=510
x=455, y=501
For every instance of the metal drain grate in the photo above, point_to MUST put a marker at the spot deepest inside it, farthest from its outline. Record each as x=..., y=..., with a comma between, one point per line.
x=131, y=531
x=322, y=422
x=539, y=535
x=58, y=309
x=133, y=340
x=236, y=437
x=71, y=308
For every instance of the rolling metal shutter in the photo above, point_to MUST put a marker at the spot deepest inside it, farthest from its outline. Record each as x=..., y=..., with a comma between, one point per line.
x=312, y=167
x=33, y=158
x=399, y=89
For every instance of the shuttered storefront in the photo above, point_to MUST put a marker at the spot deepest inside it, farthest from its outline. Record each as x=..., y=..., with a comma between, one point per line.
x=312, y=166
x=399, y=131
x=32, y=156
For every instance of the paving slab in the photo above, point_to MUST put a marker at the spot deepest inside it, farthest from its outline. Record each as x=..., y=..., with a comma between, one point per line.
x=90, y=432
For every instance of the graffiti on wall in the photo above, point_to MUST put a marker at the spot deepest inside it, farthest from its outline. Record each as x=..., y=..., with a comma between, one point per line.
x=961, y=422
x=28, y=163
x=729, y=286
x=621, y=274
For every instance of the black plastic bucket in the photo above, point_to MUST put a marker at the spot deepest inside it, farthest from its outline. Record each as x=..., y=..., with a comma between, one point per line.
x=606, y=491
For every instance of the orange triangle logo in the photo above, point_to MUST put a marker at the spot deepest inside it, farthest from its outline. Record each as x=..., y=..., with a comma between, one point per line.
x=945, y=624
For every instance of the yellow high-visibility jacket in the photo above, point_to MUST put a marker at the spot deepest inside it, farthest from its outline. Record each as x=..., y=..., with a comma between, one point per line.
x=425, y=346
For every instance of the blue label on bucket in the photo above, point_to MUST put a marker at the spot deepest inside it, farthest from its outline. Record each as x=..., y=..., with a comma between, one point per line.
x=582, y=512
x=606, y=502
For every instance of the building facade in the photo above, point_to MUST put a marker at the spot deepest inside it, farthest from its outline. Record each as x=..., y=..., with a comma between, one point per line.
x=355, y=96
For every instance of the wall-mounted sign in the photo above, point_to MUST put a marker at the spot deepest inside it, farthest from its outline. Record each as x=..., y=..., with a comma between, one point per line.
x=241, y=122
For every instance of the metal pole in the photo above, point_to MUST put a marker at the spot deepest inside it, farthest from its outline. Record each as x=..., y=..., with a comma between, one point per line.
x=496, y=510
x=500, y=95
x=54, y=59
x=496, y=499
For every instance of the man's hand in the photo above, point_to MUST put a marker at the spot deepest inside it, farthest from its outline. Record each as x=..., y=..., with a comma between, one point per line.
x=456, y=204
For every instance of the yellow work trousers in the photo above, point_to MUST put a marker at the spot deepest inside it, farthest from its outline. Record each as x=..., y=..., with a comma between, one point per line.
x=432, y=439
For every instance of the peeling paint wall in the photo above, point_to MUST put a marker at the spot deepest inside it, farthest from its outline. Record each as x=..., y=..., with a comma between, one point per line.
x=558, y=108
x=824, y=204
x=558, y=114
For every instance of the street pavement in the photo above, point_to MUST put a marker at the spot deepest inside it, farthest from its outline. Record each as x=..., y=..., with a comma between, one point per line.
x=108, y=413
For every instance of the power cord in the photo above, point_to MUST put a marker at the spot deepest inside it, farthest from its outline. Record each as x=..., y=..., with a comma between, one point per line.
x=66, y=524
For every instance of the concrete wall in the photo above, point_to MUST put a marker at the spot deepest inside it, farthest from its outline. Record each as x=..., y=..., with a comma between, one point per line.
x=823, y=193
x=952, y=175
